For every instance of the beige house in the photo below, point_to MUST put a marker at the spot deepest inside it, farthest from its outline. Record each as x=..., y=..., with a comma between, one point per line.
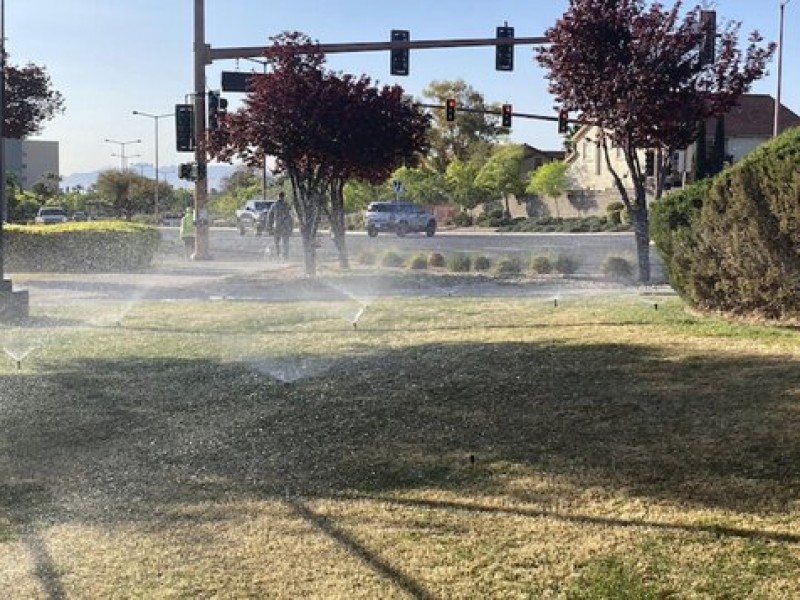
x=591, y=185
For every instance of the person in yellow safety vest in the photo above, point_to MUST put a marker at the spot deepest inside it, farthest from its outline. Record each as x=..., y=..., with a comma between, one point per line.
x=188, y=232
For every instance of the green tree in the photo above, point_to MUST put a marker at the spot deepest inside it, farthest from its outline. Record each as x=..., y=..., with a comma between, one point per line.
x=502, y=175
x=471, y=133
x=461, y=176
x=550, y=180
x=421, y=185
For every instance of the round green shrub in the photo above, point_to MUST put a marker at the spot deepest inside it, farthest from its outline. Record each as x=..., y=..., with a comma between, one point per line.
x=508, y=265
x=436, y=260
x=541, y=265
x=391, y=258
x=418, y=262
x=617, y=267
x=460, y=263
x=565, y=265
x=482, y=263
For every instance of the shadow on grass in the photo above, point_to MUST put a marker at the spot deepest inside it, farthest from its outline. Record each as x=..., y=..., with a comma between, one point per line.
x=116, y=437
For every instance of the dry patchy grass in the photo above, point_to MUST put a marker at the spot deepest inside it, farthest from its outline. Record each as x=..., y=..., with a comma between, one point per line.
x=442, y=448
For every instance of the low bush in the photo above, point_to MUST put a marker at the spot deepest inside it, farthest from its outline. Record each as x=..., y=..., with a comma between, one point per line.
x=418, y=262
x=391, y=258
x=463, y=219
x=565, y=265
x=104, y=246
x=460, y=263
x=508, y=266
x=436, y=260
x=614, y=212
x=541, y=265
x=617, y=267
x=481, y=263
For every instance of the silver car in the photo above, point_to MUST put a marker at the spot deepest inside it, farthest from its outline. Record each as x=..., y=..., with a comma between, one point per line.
x=400, y=218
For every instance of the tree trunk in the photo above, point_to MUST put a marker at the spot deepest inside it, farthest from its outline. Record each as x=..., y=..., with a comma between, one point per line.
x=641, y=232
x=337, y=222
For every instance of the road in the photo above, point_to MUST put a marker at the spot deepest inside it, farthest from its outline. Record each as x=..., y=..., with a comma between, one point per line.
x=588, y=250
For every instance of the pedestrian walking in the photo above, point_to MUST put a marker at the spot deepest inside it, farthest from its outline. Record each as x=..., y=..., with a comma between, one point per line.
x=188, y=231
x=280, y=223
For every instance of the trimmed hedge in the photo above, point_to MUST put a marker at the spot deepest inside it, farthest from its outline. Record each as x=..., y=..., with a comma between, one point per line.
x=104, y=246
x=734, y=246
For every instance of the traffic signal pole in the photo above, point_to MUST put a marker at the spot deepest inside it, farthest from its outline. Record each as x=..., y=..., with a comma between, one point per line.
x=201, y=246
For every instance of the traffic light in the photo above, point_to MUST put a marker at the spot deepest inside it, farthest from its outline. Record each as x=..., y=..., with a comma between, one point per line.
x=708, y=45
x=216, y=106
x=184, y=128
x=507, y=113
x=649, y=163
x=450, y=109
x=399, y=64
x=504, y=53
x=187, y=171
x=563, y=121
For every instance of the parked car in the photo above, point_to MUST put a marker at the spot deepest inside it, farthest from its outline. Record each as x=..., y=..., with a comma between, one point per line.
x=400, y=218
x=253, y=216
x=50, y=215
x=80, y=216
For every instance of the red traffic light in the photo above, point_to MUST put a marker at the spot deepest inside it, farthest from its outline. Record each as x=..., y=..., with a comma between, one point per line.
x=563, y=117
x=450, y=109
x=506, y=115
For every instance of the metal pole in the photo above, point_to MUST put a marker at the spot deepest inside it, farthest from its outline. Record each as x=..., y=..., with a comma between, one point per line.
x=3, y=202
x=201, y=184
x=777, y=116
x=155, y=121
x=122, y=149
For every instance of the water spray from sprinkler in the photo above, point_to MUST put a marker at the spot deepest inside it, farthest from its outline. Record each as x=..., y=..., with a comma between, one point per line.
x=358, y=316
x=18, y=356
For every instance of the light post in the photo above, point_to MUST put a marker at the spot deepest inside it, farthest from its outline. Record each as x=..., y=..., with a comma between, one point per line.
x=122, y=150
x=777, y=120
x=155, y=122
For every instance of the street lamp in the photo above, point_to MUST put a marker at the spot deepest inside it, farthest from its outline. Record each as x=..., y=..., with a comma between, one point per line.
x=122, y=150
x=155, y=122
x=777, y=119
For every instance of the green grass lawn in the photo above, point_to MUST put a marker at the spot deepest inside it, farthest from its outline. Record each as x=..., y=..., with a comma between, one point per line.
x=444, y=448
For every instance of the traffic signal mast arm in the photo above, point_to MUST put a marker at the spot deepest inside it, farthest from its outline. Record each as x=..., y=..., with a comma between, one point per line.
x=213, y=54
x=499, y=113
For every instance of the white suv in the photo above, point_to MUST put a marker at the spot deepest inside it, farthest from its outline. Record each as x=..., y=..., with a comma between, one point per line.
x=48, y=215
x=399, y=217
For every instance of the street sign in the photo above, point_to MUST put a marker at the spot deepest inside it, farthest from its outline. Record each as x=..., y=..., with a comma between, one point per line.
x=237, y=81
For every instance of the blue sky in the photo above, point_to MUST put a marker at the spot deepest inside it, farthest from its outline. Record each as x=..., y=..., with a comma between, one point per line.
x=110, y=57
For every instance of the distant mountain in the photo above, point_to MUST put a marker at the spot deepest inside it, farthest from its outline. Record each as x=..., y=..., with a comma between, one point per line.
x=168, y=173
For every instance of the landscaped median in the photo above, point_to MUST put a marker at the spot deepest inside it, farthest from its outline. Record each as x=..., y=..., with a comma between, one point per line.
x=80, y=247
